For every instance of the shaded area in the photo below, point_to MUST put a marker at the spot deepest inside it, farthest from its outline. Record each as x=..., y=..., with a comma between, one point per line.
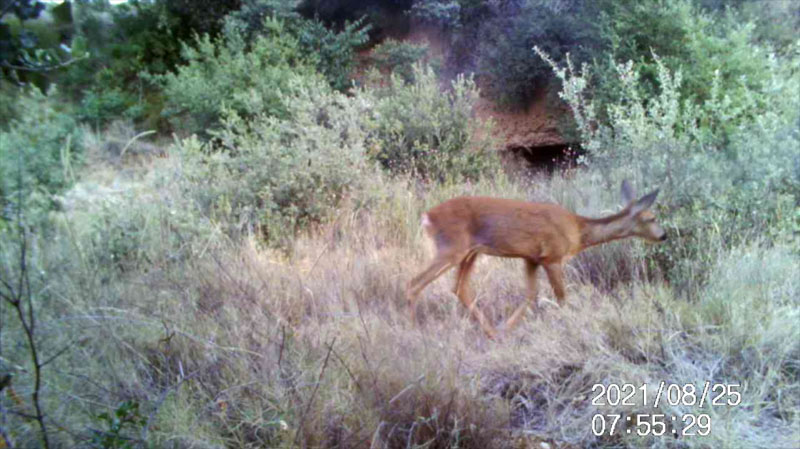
x=547, y=158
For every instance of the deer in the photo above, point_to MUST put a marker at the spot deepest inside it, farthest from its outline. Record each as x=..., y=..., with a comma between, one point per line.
x=543, y=234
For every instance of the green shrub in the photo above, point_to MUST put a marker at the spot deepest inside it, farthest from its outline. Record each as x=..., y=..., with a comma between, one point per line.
x=8, y=103
x=100, y=106
x=399, y=57
x=415, y=127
x=715, y=192
x=274, y=176
x=332, y=52
x=494, y=39
x=38, y=150
x=514, y=73
x=717, y=55
x=224, y=73
x=122, y=41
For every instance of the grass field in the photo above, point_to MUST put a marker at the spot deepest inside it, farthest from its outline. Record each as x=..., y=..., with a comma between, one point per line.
x=222, y=342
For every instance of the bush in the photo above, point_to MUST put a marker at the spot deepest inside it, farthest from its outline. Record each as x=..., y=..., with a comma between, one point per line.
x=224, y=73
x=494, y=39
x=717, y=55
x=274, y=176
x=398, y=57
x=716, y=192
x=38, y=151
x=100, y=106
x=122, y=42
x=504, y=56
x=417, y=128
x=331, y=51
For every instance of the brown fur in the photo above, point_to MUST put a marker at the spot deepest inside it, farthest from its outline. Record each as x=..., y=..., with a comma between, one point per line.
x=542, y=234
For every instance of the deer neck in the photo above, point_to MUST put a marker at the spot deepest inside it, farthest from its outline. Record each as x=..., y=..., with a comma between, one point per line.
x=596, y=231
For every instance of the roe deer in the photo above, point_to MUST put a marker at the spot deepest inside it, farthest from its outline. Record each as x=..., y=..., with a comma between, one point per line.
x=541, y=233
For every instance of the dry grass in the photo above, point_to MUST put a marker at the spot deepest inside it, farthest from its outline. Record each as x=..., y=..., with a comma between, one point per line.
x=228, y=344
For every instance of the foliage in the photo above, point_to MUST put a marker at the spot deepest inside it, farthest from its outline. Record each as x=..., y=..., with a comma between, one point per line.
x=716, y=54
x=39, y=149
x=494, y=39
x=8, y=103
x=277, y=174
x=201, y=16
x=123, y=41
x=126, y=416
x=31, y=44
x=332, y=51
x=224, y=73
x=130, y=39
x=399, y=57
x=513, y=72
x=101, y=105
x=446, y=14
x=716, y=190
x=10, y=45
x=417, y=128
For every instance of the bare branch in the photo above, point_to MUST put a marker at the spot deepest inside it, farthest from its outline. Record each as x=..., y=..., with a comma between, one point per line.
x=39, y=69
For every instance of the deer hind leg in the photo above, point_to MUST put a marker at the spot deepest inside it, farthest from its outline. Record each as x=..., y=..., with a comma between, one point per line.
x=531, y=268
x=439, y=265
x=464, y=293
x=555, y=274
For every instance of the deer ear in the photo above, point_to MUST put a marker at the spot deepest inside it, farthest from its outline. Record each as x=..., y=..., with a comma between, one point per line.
x=645, y=202
x=627, y=192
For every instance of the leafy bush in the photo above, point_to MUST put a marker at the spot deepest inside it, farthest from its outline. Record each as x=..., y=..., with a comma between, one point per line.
x=99, y=106
x=716, y=54
x=122, y=41
x=513, y=71
x=275, y=175
x=717, y=192
x=38, y=150
x=446, y=14
x=224, y=73
x=399, y=57
x=332, y=52
x=416, y=127
x=494, y=39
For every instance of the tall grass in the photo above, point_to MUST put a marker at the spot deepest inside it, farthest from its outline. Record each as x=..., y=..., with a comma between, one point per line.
x=227, y=343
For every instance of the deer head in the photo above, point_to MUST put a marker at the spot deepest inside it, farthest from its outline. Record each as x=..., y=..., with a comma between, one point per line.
x=641, y=220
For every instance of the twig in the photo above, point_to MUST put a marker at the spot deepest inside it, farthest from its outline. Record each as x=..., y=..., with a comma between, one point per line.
x=29, y=328
x=60, y=351
x=408, y=387
x=161, y=400
x=283, y=341
x=41, y=68
x=134, y=139
x=313, y=393
x=349, y=373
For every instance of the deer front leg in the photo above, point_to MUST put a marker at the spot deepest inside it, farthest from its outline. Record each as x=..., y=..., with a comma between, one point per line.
x=530, y=274
x=555, y=274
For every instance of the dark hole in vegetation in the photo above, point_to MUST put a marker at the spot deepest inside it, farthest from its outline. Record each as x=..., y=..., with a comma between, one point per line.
x=548, y=158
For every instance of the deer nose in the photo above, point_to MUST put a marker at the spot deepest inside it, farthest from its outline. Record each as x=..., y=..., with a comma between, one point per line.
x=663, y=237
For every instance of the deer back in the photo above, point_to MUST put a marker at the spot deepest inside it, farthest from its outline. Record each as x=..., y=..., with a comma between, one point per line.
x=543, y=232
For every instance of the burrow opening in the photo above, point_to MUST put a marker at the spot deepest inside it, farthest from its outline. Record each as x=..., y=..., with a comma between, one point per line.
x=548, y=158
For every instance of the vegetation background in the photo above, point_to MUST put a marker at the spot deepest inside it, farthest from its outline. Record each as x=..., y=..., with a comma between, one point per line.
x=209, y=211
